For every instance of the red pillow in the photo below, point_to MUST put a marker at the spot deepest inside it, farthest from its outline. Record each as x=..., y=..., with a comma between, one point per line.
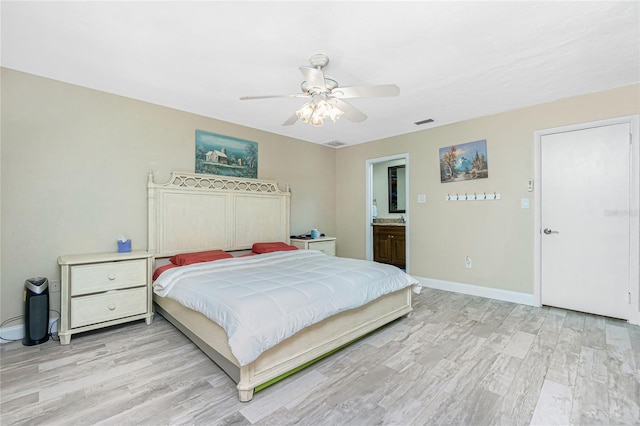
x=198, y=257
x=260, y=248
x=161, y=269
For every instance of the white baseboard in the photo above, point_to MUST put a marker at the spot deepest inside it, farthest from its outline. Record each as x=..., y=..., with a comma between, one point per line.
x=17, y=332
x=474, y=290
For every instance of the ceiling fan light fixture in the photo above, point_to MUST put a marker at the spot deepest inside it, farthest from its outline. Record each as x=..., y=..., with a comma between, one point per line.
x=317, y=110
x=305, y=113
x=316, y=120
x=327, y=97
x=322, y=109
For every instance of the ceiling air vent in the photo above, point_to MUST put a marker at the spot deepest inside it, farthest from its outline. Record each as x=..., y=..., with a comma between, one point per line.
x=428, y=120
x=334, y=144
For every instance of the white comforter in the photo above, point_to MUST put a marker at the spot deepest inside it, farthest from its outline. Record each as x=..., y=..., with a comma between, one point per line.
x=261, y=300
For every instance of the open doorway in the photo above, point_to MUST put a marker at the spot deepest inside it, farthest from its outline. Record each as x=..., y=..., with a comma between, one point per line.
x=387, y=199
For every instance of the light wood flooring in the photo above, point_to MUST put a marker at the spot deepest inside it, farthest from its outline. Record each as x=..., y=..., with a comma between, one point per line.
x=457, y=360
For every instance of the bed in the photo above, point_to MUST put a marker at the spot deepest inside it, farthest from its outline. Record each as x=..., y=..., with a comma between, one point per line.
x=195, y=212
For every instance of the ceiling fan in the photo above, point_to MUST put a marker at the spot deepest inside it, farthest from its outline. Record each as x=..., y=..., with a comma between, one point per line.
x=327, y=96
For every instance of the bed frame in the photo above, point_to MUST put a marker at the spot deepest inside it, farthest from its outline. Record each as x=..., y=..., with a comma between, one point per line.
x=195, y=212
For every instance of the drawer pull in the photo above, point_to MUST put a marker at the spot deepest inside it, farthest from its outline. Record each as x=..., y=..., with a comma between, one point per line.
x=111, y=276
x=112, y=307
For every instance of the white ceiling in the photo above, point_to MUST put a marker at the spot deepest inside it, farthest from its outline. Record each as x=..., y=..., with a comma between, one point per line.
x=452, y=60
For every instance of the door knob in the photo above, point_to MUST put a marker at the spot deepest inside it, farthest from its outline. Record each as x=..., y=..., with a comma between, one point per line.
x=549, y=231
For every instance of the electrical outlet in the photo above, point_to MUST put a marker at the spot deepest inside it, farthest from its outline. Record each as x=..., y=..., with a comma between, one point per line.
x=467, y=262
x=54, y=285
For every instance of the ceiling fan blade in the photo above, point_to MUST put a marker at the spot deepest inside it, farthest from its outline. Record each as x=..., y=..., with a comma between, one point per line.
x=350, y=112
x=296, y=95
x=314, y=78
x=291, y=120
x=379, y=91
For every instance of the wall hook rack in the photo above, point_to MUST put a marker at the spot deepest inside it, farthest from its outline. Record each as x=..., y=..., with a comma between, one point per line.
x=474, y=196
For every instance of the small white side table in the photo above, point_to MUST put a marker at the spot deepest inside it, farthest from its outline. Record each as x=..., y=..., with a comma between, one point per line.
x=99, y=290
x=324, y=244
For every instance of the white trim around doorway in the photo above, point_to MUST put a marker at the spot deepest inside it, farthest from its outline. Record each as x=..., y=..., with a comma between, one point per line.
x=369, y=203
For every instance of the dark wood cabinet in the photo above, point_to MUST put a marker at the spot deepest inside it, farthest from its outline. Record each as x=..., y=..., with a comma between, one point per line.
x=389, y=245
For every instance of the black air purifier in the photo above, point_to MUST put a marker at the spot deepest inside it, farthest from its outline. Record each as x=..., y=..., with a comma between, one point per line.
x=36, y=311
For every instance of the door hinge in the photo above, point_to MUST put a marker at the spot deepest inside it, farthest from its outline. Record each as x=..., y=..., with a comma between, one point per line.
x=630, y=138
x=629, y=293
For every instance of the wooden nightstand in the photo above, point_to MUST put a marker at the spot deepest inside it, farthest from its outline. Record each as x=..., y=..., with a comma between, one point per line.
x=324, y=244
x=99, y=290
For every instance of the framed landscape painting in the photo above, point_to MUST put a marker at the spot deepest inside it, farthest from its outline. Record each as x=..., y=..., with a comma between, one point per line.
x=225, y=156
x=464, y=162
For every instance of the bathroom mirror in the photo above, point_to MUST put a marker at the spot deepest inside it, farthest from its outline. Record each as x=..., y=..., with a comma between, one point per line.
x=397, y=198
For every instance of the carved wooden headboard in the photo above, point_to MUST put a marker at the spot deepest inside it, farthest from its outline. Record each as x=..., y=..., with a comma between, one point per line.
x=195, y=212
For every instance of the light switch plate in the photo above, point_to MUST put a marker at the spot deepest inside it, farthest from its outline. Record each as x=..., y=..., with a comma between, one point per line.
x=422, y=198
x=524, y=203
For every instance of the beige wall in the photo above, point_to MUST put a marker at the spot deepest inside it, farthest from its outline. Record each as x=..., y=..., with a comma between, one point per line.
x=74, y=173
x=75, y=161
x=498, y=235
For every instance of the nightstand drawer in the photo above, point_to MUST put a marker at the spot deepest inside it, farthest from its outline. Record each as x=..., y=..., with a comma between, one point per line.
x=327, y=247
x=100, y=277
x=108, y=306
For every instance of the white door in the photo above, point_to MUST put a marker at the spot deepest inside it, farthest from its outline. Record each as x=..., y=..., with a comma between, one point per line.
x=585, y=178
